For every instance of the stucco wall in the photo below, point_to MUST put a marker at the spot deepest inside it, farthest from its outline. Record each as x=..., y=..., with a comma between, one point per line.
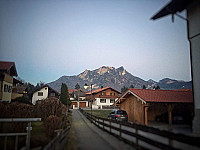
x=36, y=97
x=98, y=103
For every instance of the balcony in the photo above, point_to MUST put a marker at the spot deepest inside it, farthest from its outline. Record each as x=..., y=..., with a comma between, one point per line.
x=108, y=96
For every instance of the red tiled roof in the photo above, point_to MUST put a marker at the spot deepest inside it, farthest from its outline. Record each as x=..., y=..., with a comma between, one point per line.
x=101, y=89
x=174, y=96
x=72, y=90
x=5, y=66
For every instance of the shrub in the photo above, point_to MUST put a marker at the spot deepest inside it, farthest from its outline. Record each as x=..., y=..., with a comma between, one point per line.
x=47, y=107
x=15, y=110
x=52, y=123
x=22, y=99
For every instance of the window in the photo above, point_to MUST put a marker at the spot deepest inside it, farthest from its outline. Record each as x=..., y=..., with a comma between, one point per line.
x=10, y=89
x=111, y=93
x=112, y=100
x=5, y=88
x=102, y=100
x=52, y=94
x=40, y=93
x=45, y=88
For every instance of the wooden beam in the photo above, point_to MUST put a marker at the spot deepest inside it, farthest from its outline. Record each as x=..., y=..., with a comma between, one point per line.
x=146, y=115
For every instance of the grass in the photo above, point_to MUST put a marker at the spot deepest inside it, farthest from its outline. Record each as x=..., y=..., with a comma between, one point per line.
x=71, y=143
x=38, y=137
x=99, y=113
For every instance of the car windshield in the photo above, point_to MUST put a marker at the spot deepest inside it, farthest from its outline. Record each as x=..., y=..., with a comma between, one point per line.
x=121, y=112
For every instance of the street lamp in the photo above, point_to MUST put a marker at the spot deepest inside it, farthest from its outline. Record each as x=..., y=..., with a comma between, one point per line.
x=85, y=87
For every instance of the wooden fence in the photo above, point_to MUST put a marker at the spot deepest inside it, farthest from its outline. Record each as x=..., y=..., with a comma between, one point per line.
x=144, y=137
x=59, y=141
x=16, y=135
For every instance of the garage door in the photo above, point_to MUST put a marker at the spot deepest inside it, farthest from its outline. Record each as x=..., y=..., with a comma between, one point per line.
x=82, y=104
x=74, y=103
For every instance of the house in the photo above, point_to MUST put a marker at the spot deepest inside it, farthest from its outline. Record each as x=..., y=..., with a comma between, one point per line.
x=143, y=105
x=44, y=92
x=18, y=90
x=103, y=97
x=7, y=71
x=78, y=98
x=192, y=20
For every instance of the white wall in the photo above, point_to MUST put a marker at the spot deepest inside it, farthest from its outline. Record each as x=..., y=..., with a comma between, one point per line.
x=36, y=97
x=193, y=16
x=6, y=96
x=98, y=103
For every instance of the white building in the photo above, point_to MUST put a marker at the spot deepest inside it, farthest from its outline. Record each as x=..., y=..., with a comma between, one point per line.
x=43, y=93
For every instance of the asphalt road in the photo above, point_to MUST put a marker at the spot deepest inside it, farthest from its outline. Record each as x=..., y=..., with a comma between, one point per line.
x=90, y=137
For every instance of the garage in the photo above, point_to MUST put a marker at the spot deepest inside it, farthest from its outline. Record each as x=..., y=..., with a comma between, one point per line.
x=82, y=104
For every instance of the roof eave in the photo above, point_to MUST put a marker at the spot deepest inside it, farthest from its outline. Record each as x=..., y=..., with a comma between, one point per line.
x=171, y=8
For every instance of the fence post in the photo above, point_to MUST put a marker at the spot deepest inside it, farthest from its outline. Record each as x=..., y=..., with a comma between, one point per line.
x=28, y=136
x=16, y=142
x=110, y=125
x=5, y=143
x=171, y=142
x=136, y=131
x=103, y=124
x=120, y=132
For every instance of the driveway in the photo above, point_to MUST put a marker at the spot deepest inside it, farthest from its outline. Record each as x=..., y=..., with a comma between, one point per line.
x=90, y=137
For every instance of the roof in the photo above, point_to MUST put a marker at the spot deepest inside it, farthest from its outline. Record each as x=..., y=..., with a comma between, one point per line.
x=46, y=85
x=6, y=66
x=171, y=8
x=72, y=90
x=100, y=90
x=168, y=96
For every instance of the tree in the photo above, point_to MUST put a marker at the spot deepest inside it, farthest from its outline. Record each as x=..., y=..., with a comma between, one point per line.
x=131, y=86
x=143, y=87
x=77, y=86
x=64, y=96
x=124, y=89
x=157, y=88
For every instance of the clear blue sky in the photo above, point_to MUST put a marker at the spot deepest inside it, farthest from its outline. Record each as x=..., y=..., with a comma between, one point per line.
x=51, y=38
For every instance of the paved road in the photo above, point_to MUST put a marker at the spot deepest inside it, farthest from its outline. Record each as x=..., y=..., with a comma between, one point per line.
x=90, y=137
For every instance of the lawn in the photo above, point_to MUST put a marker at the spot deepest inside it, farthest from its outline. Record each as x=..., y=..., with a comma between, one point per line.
x=99, y=113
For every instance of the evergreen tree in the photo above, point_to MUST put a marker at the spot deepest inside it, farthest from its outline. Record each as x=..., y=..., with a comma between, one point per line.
x=124, y=89
x=143, y=87
x=77, y=86
x=157, y=88
x=131, y=86
x=64, y=96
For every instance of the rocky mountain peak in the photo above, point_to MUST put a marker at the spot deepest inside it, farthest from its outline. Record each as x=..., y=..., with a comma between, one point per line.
x=121, y=70
x=83, y=74
x=102, y=70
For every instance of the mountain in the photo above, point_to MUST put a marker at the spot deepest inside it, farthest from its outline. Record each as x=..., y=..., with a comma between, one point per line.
x=115, y=78
x=167, y=83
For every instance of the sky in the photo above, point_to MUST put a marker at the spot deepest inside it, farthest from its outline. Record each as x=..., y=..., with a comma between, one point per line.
x=50, y=38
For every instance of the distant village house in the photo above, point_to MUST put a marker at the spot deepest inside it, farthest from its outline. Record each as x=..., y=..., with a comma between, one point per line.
x=103, y=97
x=44, y=92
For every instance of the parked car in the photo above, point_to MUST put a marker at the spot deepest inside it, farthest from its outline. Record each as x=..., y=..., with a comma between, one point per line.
x=177, y=118
x=118, y=115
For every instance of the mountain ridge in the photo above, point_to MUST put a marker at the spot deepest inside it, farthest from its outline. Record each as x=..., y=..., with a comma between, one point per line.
x=116, y=78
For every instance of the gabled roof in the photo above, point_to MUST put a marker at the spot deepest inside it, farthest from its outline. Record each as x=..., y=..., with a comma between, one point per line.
x=168, y=96
x=8, y=66
x=100, y=90
x=46, y=85
x=171, y=8
x=72, y=90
